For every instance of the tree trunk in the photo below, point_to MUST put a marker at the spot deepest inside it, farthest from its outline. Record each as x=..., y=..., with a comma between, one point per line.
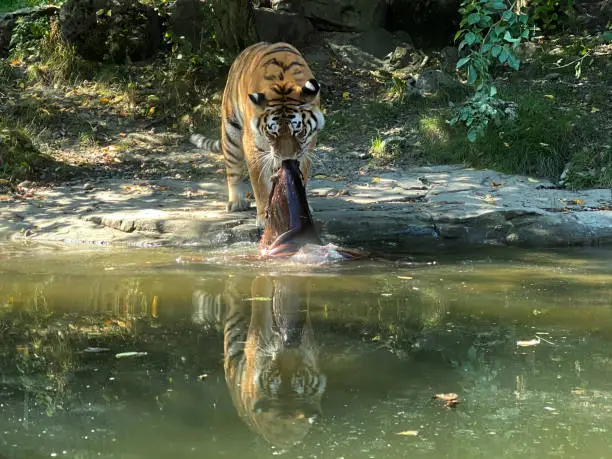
x=234, y=29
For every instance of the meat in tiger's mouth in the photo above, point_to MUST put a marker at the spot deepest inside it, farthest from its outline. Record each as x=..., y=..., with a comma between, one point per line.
x=289, y=224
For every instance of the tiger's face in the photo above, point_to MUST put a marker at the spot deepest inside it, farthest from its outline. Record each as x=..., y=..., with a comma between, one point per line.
x=286, y=127
x=271, y=360
x=291, y=385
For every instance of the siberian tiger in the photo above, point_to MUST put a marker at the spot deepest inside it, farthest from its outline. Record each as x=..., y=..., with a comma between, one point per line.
x=270, y=356
x=270, y=112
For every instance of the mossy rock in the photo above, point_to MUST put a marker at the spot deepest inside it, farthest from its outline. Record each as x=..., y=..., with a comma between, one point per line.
x=19, y=157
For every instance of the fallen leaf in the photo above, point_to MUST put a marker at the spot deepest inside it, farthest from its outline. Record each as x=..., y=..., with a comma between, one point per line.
x=578, y=202
x=497, y=183
x=594, y=110
x=578, y=391
x=123, y=355
x=528, y=343
x=320, y=176
x=532, y=180
x=154, y=306
x=151, y=111
x=15, y=62
x=450, y=400
x=446, y=397
x=346, y=95
x=104, y=100
x=489, y=199
x=408, y=433
x=375, y=179
x=405, y=277
x=122, y=134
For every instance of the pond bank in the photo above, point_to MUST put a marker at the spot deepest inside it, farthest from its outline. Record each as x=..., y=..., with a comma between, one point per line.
x=425, y=207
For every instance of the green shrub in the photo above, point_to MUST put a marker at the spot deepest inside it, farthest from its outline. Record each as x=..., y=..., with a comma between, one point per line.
x=19, y=158
x=490, y=33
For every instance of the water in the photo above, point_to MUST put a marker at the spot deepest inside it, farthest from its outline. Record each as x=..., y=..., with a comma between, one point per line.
x=382, y=337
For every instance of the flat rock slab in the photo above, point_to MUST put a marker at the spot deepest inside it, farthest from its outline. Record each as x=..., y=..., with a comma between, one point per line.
x=419, y=208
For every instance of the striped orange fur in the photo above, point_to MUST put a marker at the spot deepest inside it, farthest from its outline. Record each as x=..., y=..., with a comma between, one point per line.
x=270, y=112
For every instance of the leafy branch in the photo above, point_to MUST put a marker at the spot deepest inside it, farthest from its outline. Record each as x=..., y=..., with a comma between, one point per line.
x=490, y=32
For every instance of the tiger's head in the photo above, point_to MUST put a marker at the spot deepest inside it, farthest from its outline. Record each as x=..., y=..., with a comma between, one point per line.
x=288, y=401
x=287, y=119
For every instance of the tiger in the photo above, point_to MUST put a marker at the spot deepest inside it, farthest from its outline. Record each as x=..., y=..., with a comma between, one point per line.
x=270, y=111
x=271, y=361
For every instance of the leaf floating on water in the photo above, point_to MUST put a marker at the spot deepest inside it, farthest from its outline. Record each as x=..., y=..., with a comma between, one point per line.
x=446, y=397
x=96, y=349
x=450, y=399
x=154, y=306
x=528, y=343
x=123, y=355
x=405, y=277
x=497, y=183
x=532, y=180
x=408, y=433
x=258, y=298
x=202, y=377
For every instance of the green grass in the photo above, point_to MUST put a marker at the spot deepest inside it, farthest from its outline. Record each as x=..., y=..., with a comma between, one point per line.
x=550, y=129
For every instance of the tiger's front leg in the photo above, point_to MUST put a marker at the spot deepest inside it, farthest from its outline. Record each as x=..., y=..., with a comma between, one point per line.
x=233, y=154
x=261, y=183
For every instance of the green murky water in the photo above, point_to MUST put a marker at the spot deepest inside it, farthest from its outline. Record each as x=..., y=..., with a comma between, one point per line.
x=380, y=338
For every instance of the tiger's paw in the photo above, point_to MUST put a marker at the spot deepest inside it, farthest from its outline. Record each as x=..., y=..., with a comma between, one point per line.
x=261, y=221
x=238, y=205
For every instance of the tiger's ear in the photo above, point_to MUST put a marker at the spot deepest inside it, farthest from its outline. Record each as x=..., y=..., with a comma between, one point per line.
x=258, y=98
x=311, y=88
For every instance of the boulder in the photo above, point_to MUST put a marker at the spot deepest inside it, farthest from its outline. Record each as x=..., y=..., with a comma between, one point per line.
x=9, y=20
x=116, y=30
x=429, y=22
x=273, y=26
x=294, y=6
x=345, y=15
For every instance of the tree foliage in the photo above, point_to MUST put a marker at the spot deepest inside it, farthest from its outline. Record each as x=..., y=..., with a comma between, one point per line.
x=491, y=31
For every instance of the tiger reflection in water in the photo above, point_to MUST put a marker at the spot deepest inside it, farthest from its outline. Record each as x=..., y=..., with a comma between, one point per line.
x=270, y=356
